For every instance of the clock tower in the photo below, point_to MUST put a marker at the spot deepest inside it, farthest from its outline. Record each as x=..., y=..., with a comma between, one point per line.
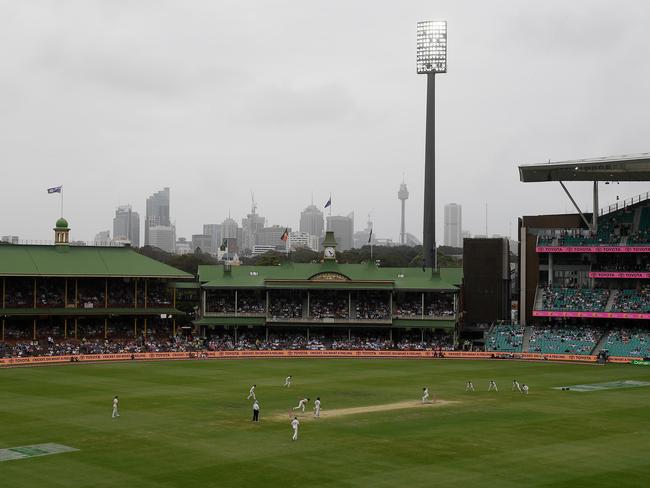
x=329, y=246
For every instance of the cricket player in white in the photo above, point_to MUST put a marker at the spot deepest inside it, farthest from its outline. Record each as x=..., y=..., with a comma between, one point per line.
x=515, y=386
x=524, y=389
x=287, y=381
x=251, y=393
x=425, y=394
x=294, y=425
x=301, y=404
x=469, y=387
x=493, y=386
x=317, y=408
x=115, y=404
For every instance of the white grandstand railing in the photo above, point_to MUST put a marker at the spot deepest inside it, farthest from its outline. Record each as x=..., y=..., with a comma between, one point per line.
x=36, y=242
x=624, y=204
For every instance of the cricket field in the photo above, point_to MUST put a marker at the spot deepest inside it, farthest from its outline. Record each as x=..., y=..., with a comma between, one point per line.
x=188, y=423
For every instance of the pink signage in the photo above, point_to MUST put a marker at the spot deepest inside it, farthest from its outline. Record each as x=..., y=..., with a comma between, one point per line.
x=593, y=249
x=617, y=274
x=592, y=315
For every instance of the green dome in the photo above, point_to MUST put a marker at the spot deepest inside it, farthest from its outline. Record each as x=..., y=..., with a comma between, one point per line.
x=62, y=223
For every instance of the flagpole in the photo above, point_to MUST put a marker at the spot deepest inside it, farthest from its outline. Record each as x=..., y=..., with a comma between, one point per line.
x=61, y=202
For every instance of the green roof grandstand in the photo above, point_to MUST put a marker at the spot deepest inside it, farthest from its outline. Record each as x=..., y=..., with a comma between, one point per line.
x=82, y=261
x=329, y=274
x=329, y=294
x=101, y=289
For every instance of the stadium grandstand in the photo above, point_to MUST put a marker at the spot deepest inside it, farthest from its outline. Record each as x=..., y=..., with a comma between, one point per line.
x=76, y=297
x=584, y=278
x=335, y=304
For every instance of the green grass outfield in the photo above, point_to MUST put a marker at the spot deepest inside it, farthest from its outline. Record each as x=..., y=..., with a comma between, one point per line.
x=187, y=424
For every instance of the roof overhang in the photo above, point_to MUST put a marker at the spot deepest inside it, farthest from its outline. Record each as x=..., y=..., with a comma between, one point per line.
x=634, y=167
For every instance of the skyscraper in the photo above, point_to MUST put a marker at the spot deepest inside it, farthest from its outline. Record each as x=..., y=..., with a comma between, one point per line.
x=453, y=225
x=157, y=212
x=229, y=229
x=126, y=226
x=201, y=241
x=163, y=237
x=343, y=228
x=272, y=236
x=251, y=226
x=214, y=231
x=311, y=221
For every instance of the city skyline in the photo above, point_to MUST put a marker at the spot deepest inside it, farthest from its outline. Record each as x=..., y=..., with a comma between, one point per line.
x=108, y=101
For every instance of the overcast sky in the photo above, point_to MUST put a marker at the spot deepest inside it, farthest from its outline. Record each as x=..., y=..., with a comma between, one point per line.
x=115, y=100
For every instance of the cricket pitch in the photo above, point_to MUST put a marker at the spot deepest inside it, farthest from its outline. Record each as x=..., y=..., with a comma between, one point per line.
x=341, y=412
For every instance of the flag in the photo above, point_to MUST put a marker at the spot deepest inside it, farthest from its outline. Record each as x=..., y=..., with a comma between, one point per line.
x=224, y=245
x=285, y=235
x=329, y=202
x=370, y=237
x=56, y=189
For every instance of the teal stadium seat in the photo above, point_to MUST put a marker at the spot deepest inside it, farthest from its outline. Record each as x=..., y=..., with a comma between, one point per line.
x=505, y=338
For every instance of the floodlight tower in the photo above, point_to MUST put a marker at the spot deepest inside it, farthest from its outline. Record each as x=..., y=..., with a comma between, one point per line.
x=403, y=195
x=431, y=59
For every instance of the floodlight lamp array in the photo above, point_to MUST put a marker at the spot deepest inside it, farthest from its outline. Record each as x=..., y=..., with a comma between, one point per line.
x=432, y=47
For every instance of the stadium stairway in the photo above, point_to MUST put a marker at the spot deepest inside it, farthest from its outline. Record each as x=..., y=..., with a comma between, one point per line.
x=637, y=219
x=601, y=342
x=612, y=299
x=539, y=299
x=528, y=331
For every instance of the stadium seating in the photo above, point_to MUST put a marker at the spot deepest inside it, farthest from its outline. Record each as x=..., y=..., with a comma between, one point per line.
x=564, y=340
x=628, y=342
x=574, y=299
x=616, y=228
x=632, y=301
x=505, y=338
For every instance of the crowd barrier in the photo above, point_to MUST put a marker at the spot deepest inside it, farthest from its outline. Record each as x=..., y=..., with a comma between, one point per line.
x=307, y=354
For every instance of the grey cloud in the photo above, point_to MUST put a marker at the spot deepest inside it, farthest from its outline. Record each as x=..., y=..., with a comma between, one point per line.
x=283, y=105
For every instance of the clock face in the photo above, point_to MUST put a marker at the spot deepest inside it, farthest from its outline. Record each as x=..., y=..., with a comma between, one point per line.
x=329, y=252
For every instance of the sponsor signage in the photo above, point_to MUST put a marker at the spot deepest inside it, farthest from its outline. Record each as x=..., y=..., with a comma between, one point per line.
x=616, y=274
x=36, y=450
x=641, y=363
x=610, y=249
x=307, y=354
x=592, y=315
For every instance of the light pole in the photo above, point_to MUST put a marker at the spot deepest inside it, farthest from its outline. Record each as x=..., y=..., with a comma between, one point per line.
x=431, y=59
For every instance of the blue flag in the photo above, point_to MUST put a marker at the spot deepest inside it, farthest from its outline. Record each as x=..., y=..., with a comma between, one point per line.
x=329, y=202
x=56, y=189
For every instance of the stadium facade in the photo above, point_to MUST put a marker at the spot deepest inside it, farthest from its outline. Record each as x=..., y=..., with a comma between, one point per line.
x=586, y=276
x=327, y=298
x=79, y=292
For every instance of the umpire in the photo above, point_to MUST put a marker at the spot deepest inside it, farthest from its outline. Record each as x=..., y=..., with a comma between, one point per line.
x=256, y=411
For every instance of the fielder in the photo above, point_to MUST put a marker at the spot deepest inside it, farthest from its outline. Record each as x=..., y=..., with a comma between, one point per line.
x=493, y=386
x=294, y=425
x=287, y=381
x=251, y=393
x=469, y=386
x=425, y=395
x=115, y=405
x=317, y=408
x=516, y=386
x=524, y=389
x=301, y=404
